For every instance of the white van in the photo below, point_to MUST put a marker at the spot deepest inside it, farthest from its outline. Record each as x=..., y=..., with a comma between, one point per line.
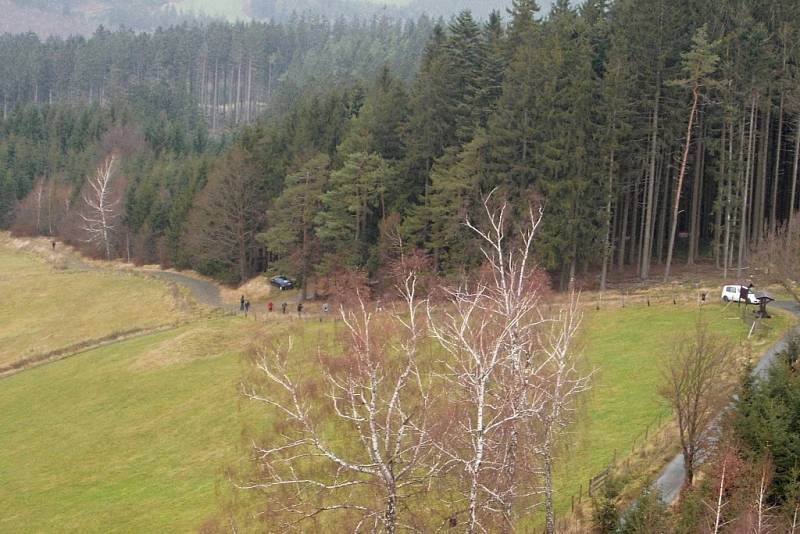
x=731, y=294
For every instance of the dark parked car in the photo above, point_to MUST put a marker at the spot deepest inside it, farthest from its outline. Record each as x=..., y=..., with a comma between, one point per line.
x=282, y=283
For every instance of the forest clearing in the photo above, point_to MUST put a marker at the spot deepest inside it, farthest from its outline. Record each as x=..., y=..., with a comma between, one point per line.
x=139, y=435
x=400, y=266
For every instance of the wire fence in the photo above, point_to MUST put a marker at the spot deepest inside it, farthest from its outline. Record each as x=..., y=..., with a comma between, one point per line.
x=620, y=459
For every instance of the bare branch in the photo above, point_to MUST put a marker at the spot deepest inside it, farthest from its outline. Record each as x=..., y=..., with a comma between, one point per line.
x=101, y=210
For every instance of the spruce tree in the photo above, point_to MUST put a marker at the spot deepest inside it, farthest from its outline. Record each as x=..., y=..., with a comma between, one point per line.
x=351, y=208
x=490, y=81
x=566, y=161
x=291, y=225
x=466, y=56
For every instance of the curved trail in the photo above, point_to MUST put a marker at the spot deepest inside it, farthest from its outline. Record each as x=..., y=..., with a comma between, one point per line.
x=204, y=292
x=673, y=476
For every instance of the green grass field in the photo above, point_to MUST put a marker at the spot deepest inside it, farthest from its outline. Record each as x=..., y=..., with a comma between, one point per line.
x=628, y=348
x=45, y=309
x=128, y=438
x=136, y=437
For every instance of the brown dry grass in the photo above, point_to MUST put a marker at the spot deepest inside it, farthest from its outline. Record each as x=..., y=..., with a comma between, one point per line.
x=204, y=340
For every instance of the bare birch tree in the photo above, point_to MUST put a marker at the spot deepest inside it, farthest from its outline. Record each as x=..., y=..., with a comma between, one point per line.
x=380, y=405
x=560, y=381
x=501, y=381
x=720, y=503
x=101, y=209
x=483, y=329
x=762, y=511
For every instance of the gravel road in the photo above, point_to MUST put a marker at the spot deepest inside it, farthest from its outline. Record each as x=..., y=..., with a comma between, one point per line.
x=204, y=292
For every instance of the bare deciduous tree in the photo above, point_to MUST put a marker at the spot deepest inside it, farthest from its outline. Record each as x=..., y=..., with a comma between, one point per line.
x=697, y=389
x=510, y=374
x=101, y=209
x=484, y=352
x=762, y=510
x=561, y=382
x=44, y=210
x=509, y=370
x=720, y=504
x=380, y=408
x=779, y=255
x=227, y=216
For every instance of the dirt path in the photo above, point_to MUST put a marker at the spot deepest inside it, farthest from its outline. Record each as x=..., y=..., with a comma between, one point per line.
x=77, y=349
x=66, y=258
x=203, y=291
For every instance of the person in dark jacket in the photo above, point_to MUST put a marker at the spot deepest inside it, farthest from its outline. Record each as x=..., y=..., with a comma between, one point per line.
x=744, y=294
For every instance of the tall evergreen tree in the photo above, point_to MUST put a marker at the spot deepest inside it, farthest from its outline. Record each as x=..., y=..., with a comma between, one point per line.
x=467, y=56
x=566, y=159
x=291, y=225
x=352, y=206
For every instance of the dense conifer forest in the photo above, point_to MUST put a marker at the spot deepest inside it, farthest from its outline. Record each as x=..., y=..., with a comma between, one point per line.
x=652, y=133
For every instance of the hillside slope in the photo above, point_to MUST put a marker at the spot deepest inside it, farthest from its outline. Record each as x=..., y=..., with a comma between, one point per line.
x=140, y=436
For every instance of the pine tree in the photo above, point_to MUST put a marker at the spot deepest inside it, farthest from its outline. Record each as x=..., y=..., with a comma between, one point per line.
x=351, y=208
x=700, y=64
x=291, y=224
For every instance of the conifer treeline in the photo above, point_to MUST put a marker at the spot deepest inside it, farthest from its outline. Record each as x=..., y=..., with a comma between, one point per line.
x=233, y=71
x=586, y=111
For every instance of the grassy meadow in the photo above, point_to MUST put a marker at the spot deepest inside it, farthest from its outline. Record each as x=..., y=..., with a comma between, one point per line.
x=137, y=436
x=44, y=309
x=128, y=438
x=628, y=347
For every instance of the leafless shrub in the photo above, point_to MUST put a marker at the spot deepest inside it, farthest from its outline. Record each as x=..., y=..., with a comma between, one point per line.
x=779, y=256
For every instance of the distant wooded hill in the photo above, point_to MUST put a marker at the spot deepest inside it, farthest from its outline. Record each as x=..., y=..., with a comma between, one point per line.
x=69, y=17
x=64, y=17
x=359, y=8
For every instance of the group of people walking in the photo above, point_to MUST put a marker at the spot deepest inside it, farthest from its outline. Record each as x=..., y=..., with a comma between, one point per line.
x=244, y=307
